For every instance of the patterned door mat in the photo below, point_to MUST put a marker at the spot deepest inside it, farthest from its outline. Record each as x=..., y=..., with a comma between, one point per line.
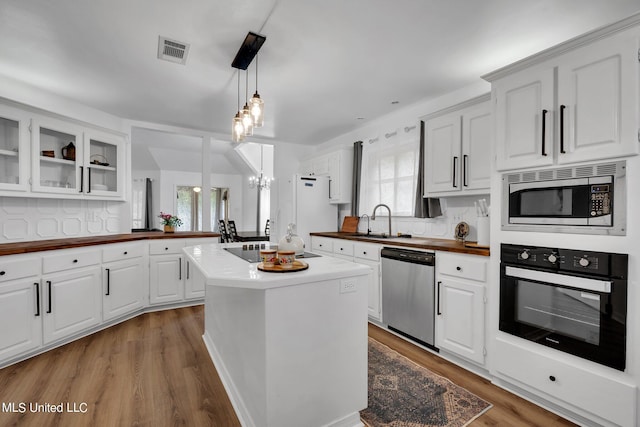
x=405, y=394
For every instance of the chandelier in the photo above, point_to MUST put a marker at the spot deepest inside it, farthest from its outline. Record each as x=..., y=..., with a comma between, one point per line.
x=260, y=181
x=252, y=114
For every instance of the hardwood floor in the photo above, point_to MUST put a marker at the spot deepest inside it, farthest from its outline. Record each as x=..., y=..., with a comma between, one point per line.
x=154, y=370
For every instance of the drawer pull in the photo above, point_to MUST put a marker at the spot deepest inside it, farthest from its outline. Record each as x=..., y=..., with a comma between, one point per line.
x=459, y=268
x=37, y=285
x=552, y=378
x=75, y=261
x=49, y=286
x=166, y=249
x=2, y=273
x=364, y=252
x=125, y=252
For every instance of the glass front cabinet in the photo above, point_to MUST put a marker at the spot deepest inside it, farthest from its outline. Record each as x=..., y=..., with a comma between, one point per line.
x=14, y=150
x=74, y=161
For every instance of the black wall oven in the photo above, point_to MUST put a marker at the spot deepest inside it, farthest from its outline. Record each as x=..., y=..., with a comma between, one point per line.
x=571, y=300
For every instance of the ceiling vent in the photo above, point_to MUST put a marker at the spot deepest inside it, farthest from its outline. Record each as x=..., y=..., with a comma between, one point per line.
x=172, y=50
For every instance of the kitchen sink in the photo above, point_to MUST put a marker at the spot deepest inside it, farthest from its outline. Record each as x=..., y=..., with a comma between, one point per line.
x=370, y=235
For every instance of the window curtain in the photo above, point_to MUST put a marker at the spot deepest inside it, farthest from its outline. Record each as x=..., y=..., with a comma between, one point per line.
x=389, y=169
x=425, y=207
x=148, y=204
x=357, y=171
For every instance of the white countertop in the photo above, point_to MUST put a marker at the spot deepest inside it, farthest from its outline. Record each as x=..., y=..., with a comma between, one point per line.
x=222, y=268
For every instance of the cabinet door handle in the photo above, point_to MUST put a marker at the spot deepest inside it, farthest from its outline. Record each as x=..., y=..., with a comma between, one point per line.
x=187, y=270
x=89, y=172
x=180, y=268
x=108, y=281
x=544, y=131
x=49, y=286
x=438, y=299
x=37, y=285
x=81, y=179
x=455, y=160
x=562, y=107
x=465, y=166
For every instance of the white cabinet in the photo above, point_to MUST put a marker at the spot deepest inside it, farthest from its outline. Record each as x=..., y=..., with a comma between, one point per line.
x=460, y=305
x=568, y=384
x=14, y=149
x=125, y=279
x=75, y=161
x=369, y=254
x=338, y=165
x=322, y=245
x=165, y=278
x=457, y=150
x=588, y=112
x=194, y=282
x=20, y=305
x=104, y=164
x=72, y=302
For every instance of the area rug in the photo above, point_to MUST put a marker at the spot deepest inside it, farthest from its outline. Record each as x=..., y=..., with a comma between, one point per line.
x=404, y=394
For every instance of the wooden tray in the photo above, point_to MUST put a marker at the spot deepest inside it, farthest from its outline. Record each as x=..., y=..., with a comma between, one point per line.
x=277, y=268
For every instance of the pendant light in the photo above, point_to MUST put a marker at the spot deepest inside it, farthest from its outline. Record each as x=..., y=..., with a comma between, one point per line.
x=237, y=131
x=257, y=104
x=247, y=119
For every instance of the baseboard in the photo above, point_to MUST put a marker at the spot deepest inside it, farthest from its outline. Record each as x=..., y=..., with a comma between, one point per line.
x=232, y=392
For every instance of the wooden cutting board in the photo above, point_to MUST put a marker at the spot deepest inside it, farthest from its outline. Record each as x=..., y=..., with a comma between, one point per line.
x=350, y=224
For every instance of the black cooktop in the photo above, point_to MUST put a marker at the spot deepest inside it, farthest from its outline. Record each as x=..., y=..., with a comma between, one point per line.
x=251, y=253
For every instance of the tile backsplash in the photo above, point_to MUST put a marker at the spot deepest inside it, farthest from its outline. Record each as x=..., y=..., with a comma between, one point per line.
x=25, y=219
x=454, y=210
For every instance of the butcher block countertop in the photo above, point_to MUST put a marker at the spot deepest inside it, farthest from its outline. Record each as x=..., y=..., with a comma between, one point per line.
x=412, y=242
x=78, y=242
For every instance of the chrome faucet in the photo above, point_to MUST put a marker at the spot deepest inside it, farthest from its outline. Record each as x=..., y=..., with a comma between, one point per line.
x=368, y=224
x=373, y=215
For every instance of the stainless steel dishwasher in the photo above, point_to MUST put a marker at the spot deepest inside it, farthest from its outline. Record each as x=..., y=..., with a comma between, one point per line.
x=408, y=293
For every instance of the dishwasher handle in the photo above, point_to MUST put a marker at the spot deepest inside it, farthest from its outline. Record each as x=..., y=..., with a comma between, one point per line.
x=405, y=255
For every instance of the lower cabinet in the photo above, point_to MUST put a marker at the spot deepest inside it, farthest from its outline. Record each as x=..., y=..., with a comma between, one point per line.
x=165, y=279
x=124, y=286
x=72, y=302
x=460, y=305
x=193, y=282
x=369, y=254
x=20, y=317
x=566, y=383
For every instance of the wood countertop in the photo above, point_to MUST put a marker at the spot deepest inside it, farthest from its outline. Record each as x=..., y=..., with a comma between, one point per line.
x=412, y=242
x=78, y=242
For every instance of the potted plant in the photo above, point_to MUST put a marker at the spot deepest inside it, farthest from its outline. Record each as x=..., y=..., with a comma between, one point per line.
x=170, y=222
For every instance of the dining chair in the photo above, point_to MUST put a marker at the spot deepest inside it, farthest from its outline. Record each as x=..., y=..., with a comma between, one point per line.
x=233, y=233
x=222, y=228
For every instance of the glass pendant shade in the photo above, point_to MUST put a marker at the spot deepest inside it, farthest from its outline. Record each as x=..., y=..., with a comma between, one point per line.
x=257, y=110
x=247, y=120
x=237, y=132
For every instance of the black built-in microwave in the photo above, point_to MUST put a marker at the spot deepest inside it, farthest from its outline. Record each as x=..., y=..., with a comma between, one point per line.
x=588, y=199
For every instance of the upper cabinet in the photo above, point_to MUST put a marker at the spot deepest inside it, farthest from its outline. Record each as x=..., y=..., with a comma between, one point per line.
x=457, y=149
x=338, y=165
x=14, y=149
x=577, y=106
x=43, y=156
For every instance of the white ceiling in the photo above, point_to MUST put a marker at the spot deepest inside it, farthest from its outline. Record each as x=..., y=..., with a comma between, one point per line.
x=325, y=63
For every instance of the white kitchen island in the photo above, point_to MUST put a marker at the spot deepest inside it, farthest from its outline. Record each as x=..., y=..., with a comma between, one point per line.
x=290, y=348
